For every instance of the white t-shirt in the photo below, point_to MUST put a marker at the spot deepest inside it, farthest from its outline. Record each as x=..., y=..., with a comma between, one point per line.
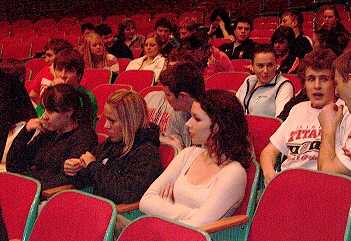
x=299, y=137
x=343, y=136
x=195, y=205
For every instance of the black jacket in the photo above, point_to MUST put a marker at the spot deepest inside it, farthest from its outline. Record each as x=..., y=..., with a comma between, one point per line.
x=124, y=179
x=243, y=51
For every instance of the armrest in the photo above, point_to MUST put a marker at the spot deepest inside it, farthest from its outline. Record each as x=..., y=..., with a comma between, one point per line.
x=52, y=191
x=127, y=207
x=225, y=223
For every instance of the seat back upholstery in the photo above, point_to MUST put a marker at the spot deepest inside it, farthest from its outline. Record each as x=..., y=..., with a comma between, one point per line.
x=226, y=80
x=138, y=79
x=94, y=77
x=167, y=153
x=301, y=204
x=19, y=199
x=152, y=228
x=74, y=215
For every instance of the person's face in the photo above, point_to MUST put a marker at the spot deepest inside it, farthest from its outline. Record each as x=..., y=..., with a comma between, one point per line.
x=49, y=56
x=97, y=47
x=242, y=31
x=164, y=33
x=112, y=124
x=129, y=32
x=184, y=33
x=199, y=125
x=329, y=18
x=107, y=40
x=281, y=47
x=151, y=48
x=319, y=86
x=176, y=103
x=343, y=88
x=264, y=67
x=56, y=121
x=66, y=76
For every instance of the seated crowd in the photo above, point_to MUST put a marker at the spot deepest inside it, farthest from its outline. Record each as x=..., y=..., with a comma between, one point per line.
x=51, y=121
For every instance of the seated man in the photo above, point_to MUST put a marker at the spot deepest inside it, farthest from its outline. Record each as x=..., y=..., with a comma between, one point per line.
x=335, y=149
x=69, y=69
x=181, y=83
x=242, y=46
x=299, y=136
x=105, y=32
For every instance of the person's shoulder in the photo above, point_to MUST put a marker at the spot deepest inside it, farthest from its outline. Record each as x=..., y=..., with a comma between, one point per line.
x=234, y=170
x=302, y=106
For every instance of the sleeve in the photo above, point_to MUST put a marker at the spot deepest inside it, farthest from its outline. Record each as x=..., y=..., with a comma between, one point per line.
x=240, y=94
x=131, y=65
x=158, y=68
x=226, y=194
x=21, y=154
x=151, y=202
x=343, y=142
x=285, y=93
x=128, y=185
x=173, y=128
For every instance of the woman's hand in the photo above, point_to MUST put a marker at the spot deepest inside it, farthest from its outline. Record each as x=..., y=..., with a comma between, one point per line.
x=87, y=158
x=34, y=124
x=72, y=166
x=167, y=193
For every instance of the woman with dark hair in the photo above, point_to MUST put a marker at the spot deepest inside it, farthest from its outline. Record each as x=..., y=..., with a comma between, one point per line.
x=15, y=104
x=283, y=40
x=127, y=40
x=124, y=166
x=63, y=132
x=204, y=184
x=220, y=24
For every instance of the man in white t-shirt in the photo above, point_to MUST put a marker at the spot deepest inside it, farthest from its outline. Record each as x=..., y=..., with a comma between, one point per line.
x=299, y=135
x=335, y=150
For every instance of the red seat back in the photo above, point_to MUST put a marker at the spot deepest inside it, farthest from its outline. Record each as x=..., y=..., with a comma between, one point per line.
x=296, y=81
x=226, y=80
x=301, y=205
x=167, y=153
x=138, y=79
x=94, y=77
x=35, y=65
x=241, y=65
x=123, y=63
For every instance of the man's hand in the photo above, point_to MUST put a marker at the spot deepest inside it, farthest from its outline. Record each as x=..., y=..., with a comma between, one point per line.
x=330, y=117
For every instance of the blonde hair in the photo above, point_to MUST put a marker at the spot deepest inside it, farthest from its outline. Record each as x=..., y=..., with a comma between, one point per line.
x=130, y=109
x=85, y=51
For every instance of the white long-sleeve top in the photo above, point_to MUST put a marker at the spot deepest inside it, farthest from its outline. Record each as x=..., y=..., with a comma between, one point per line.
x=196, y=205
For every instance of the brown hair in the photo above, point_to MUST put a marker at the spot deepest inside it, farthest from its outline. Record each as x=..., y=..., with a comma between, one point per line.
x=343, y=65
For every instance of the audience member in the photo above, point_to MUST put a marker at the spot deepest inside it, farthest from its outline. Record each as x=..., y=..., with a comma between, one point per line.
x=299, y=136
x=163, y=28
x=294, y=20
x=63, y=132
x=328, y=17
x=204, y=184
x=153, y=59
x=127, y=40
x=87, y=28
x=186, y=27
x=283, y=40
x=335, y=120
x=242, y=46
x=125, y=165
x=334, y=39
x=15, y=104
x=181, y=83
x=105, y=31
x=220, y=24
x=267, y=91
x=95, y=56
x=46, y=75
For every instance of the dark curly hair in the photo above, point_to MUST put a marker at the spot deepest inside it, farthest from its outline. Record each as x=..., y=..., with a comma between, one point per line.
x=230, y=139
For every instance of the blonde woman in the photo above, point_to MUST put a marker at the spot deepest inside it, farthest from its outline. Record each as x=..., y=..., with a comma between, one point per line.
x=124, y=166
x=153, y=59
x=95, y=56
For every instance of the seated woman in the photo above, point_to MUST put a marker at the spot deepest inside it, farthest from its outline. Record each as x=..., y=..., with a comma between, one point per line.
x=123, y=167
x=153, y=59
x=204, y=184
x=127, y=40
x=95, y=55
x=283, y=40
x=267, y=91
x=45, y=76
x=220, y=24
x=63, y=132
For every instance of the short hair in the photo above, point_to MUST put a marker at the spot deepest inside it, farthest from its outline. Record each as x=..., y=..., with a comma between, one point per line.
x=199, y=58
x=229, y=129
x=86, y=26
x=261, y=48
x=157, y=38
x=243, y=19
x=189, y=24
x=127, y=22
x=297, y=15
x=70, y=59
x=165, y=23
x=64, y=97
x=57, y=45
x=103, y=29
x=343, y=65
x=284, y=32
x=317, y=60
x=131, y=111
x=184, y=77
